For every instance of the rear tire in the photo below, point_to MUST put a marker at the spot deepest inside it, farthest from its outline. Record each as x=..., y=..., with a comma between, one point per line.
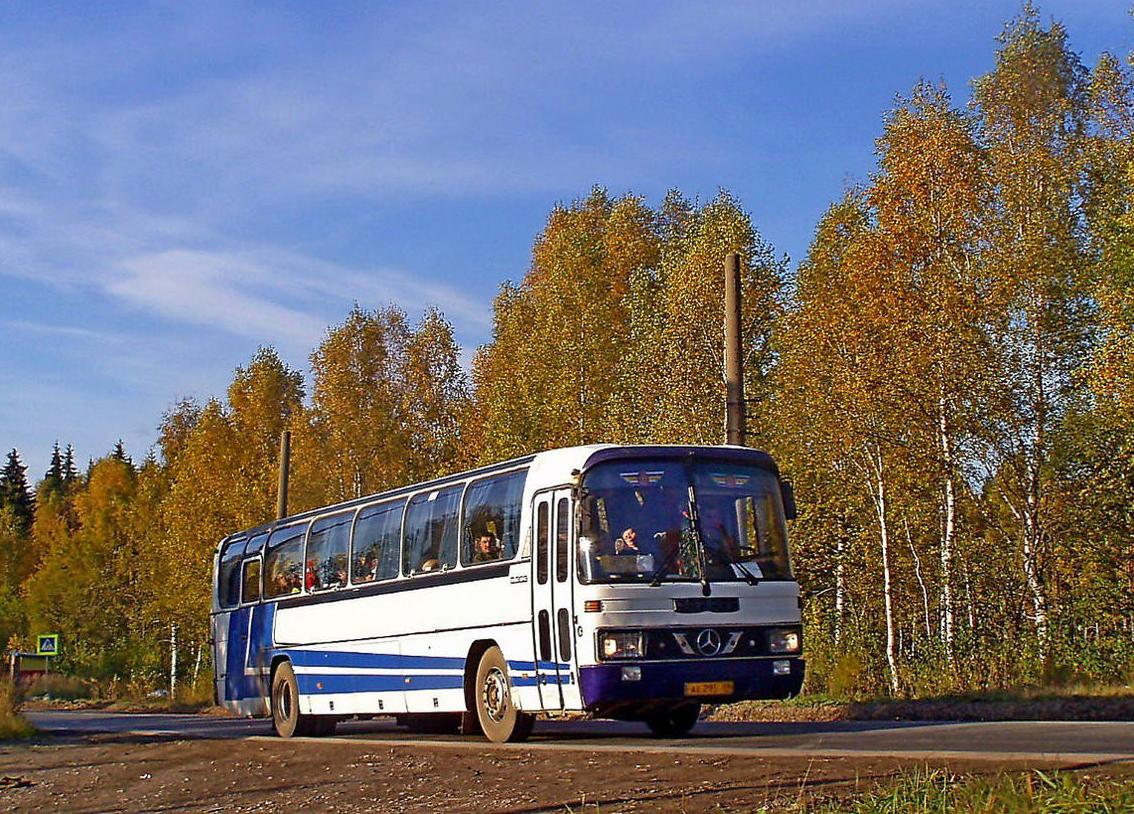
x=499, y=719
x=286, y=719
x=674, y=722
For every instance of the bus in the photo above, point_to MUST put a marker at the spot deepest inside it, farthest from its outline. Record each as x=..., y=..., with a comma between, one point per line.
x=626, y=582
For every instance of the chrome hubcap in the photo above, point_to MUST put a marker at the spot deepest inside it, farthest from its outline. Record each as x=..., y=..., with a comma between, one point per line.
x=495, y=695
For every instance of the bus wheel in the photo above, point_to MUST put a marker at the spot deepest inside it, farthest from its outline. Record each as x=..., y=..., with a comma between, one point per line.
x=286, y=719
x=500, y=720
x=674, y=722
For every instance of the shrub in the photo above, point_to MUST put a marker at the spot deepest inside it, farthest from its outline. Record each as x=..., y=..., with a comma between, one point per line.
x=12, y=724
x=61, y=687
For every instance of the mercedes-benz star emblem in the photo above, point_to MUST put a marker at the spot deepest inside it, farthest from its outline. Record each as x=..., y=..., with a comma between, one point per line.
x=709, y=642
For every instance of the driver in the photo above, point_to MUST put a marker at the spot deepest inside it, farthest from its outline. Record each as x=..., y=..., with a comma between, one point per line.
x=627, y=543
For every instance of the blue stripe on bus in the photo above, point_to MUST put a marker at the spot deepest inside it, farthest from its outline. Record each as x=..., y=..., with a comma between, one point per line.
x=339, y=658
x=543, y=665
x=545, y=679
x=315, y=684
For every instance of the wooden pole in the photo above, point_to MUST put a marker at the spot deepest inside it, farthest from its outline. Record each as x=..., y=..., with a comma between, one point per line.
x=285, y=462
x=733, y=353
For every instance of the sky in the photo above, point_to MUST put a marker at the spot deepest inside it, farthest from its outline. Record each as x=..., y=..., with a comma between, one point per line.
x=183, y=182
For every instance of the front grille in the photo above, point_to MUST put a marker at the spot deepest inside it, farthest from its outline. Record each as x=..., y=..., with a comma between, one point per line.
x=697, y=604
x=735, y=641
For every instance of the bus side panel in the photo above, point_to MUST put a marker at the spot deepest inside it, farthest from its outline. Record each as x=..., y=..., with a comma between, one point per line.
x=406, y=650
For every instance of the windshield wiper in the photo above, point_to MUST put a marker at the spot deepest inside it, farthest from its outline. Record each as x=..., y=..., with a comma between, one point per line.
x=702, y=555
x=749, y=577
x=656, y=579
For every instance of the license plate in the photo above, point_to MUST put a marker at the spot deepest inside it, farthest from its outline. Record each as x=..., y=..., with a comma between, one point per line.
x=709, y=688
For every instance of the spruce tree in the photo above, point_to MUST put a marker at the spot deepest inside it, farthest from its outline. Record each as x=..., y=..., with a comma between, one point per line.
x=119, y=453
x=15, y=494
x=53, y=478
x=70, y=471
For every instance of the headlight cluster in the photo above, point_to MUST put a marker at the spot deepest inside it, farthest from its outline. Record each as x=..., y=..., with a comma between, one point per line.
x=622, y=644
x=783, y=640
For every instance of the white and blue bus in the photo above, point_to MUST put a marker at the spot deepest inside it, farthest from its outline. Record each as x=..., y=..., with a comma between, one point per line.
x=628, y=582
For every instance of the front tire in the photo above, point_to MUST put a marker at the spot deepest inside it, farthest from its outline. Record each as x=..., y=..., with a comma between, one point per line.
x=286, y=719
x=674, y=722
x=499, y=719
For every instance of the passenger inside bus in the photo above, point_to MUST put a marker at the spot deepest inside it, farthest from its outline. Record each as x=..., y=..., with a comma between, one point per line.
x=486, y=547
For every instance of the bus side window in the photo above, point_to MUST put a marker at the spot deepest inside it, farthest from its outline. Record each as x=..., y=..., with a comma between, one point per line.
x=250, y=590
x=377, y=542
x=542, y=528
x=492, y=508
x=228, y=578
x=326, y=565
x=283, y=564
x=431, y=531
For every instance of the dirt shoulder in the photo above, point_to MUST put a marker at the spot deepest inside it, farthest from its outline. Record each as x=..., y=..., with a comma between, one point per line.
x=125, y=773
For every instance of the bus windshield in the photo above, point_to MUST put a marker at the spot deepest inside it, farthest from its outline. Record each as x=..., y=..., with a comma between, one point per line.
x=636, y=522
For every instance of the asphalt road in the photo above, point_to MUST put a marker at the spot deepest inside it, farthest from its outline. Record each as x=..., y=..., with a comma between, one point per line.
x=1061, y=741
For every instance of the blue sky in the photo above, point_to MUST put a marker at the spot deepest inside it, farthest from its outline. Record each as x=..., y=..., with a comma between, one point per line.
x=180, y=183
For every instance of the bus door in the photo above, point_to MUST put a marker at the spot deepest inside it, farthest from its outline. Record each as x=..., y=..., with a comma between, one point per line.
x=553, y=616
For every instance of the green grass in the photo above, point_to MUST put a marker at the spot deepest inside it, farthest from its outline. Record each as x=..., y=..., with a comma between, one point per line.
x=1072, y=703
x=926, y=791
x=12, y=724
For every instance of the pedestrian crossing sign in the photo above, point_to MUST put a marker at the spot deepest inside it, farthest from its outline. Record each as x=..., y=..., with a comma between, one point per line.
x=47, y=644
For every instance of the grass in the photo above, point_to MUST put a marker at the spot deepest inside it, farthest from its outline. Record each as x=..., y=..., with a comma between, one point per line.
x=12, y=724
x=925, y=791
x=1078, y=703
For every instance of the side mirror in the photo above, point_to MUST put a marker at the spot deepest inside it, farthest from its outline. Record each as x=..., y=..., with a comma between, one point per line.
x=788, y=492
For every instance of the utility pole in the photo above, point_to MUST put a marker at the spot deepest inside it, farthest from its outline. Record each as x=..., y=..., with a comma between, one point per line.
x=285, y=463
x=733, y=353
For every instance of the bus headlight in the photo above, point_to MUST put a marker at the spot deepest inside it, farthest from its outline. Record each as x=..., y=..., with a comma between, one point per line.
x=783, y=640
x=622, y=644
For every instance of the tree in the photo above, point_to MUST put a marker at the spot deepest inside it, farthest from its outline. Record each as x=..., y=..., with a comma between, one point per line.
x=16, y=495
x=1033, y=109
x=558, y=337
x=359, y=403
x=52, y=479
x=70, y=471
x=690, y=408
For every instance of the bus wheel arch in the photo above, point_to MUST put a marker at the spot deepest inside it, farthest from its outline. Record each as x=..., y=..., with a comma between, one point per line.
x=472, y=663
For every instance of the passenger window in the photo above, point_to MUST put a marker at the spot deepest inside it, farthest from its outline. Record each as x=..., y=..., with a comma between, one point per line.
x=492, y=518
x=431, y=531
x=542, y=524
x=228, y=573
x=250, y=591
x=561, y=530
x=327, y=549
x=377, y=542
x=283, y=564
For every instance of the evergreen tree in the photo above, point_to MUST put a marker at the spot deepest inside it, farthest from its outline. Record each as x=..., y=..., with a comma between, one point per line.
x=70, y=471
x=16, y=495
x=53, y=478
x=119, y=453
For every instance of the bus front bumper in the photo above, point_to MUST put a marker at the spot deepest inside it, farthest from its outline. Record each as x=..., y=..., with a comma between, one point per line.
x=606, y=685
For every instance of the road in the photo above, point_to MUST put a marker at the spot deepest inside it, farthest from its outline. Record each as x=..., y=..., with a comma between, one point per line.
x=1032, y=741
